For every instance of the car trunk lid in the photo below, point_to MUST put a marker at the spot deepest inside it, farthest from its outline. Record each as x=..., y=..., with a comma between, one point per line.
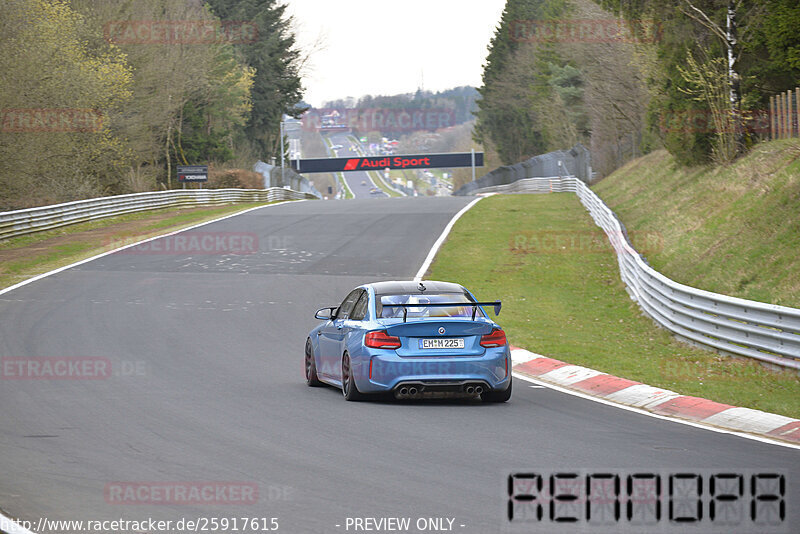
x=430, y=337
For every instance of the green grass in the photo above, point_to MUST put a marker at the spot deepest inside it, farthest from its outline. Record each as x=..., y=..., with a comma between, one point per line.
x=40, y=257
x=562, y=297
x=53, y=254
x=733, y=230
x=193, y=217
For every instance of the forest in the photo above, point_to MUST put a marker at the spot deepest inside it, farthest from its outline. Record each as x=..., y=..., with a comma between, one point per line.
x=625, y=77
x=102, y=98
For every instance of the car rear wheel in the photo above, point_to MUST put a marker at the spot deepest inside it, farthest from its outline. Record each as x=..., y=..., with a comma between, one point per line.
x=349, y=388
x=497, y=396
x=311, y=366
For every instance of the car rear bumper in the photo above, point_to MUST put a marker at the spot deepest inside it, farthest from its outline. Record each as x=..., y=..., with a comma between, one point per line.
x=385, y=371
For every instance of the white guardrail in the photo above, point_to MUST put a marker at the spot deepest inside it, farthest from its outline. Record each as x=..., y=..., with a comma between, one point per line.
x=20, y=222
x=766, y=332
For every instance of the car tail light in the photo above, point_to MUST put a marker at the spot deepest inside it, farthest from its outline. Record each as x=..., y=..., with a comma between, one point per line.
x=381, y=340
x=495, y=338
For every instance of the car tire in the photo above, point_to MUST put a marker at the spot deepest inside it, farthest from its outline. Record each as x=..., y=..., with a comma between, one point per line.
x=349, y=388
x=311, y=366
x=497, y=396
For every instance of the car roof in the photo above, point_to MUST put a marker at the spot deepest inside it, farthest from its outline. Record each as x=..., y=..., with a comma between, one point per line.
x=413, y=287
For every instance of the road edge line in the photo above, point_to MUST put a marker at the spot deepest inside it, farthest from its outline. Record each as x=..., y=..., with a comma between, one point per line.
x=16, y=529
x=102, y=254
x=437, y=245
x=519, y=372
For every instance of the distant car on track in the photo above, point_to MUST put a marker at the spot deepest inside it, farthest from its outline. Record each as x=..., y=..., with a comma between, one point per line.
x=413, y=339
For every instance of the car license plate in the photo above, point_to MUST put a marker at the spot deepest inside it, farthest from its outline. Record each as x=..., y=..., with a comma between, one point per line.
x=442, y=343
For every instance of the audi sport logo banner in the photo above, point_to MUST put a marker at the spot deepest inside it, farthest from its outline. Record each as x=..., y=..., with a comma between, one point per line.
x=373, y=163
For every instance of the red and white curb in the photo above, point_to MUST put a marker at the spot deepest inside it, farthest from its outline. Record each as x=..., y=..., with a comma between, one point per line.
x=658, y=401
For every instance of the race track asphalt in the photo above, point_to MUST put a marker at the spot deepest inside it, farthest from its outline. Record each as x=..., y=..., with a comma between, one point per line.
x=207, y=386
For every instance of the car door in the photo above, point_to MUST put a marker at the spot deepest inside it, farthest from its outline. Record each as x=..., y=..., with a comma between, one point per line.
x=353, y=329
x=331, y=337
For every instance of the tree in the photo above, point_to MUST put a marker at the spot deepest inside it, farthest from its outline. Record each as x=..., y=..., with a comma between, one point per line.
x=532, y=94
x=755, y=40
x=277, y=86
x=51, y=80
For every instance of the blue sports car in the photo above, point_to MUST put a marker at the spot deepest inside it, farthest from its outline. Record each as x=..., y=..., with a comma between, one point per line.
x=413, y=339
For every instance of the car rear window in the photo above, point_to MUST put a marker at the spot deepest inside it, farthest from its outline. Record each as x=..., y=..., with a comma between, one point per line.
x=426, y=311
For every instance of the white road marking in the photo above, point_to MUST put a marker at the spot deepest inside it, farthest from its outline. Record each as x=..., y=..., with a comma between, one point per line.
x=657, y=416
x=432, y=254
x=87, y=260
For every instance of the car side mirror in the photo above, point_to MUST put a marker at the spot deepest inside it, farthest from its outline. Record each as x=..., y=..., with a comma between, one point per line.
x=325, y=314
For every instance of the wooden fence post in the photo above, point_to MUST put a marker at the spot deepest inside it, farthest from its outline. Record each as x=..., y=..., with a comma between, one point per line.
x=785, y=113
x=797, y=109
x=771, y=118
x=788, y=115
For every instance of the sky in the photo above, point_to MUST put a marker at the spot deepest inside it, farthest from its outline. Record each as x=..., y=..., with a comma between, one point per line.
x=387, y=47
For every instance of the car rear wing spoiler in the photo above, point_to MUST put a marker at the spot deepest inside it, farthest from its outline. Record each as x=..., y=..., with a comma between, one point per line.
x=496, y=304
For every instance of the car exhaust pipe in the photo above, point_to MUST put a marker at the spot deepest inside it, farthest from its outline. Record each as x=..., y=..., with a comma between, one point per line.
x=478, y=390
x=404, y=391
x=470, y=390
x=412, y=391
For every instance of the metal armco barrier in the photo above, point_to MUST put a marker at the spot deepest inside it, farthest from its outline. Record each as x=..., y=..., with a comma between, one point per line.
x=19, y=222
x=573, y=162
x=549, y=184
x=766, y=332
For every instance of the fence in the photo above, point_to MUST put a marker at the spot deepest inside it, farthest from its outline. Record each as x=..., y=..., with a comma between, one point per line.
x=20, y=222
x=274, y=177
x=573, y=162
x=784, y=118
x=766, y=332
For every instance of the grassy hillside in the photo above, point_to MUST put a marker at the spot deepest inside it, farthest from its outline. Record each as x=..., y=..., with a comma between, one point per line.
x=562, y=297
x=732, y=230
